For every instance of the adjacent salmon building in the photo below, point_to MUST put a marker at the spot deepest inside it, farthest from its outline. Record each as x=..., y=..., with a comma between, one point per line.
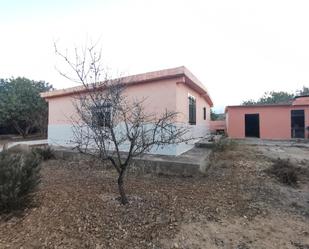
x=175, y=89
x=274, y=121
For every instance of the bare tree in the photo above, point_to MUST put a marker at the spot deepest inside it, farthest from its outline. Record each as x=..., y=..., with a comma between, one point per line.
x=110, y=125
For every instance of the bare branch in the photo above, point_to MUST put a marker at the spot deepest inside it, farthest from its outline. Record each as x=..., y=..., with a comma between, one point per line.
x=110, y=125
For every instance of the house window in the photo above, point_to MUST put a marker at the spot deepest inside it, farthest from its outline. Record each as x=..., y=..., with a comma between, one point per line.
x=192, y=110
x=101, y=115
x=204, y=112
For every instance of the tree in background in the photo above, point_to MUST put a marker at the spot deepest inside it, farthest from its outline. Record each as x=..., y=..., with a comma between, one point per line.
x=277, y=97
x=271, y=98
x=21, y=105
x=213, y=115
x=249, y=102
x=302, y=92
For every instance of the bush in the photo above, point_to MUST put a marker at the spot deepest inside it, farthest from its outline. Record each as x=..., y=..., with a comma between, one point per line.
x=19, y=176
x=284, y=171
x=45, y=153
x=223, y=144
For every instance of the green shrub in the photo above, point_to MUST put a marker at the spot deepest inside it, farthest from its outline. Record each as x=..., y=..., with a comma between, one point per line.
x=19, y=176
x=45, y=153
x=284, y=171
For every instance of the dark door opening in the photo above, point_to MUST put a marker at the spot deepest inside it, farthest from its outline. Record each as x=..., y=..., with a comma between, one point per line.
x=252, y=125
x=297, y=123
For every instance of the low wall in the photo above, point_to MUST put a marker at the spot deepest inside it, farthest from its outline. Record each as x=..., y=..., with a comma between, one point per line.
x=168, y=168
x=144, y=166
x=217, y=125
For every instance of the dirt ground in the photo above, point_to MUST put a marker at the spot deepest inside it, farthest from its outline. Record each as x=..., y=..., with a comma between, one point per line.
x=236, y=205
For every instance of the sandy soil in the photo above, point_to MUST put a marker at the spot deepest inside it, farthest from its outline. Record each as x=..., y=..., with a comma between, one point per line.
x=236, y=205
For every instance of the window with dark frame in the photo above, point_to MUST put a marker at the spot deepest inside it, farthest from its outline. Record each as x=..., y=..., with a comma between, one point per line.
x=204, y=112
x=192, y=110
x=101, y=115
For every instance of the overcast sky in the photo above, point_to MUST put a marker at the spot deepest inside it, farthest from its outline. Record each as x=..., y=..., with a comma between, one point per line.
x=238, y=49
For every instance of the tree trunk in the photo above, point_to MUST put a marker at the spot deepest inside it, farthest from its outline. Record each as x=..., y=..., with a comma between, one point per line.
x=19, y=130
x=123, y=197
x=26, y=131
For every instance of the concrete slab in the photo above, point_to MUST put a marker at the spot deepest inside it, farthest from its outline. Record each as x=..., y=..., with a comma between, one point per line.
x=30, y=143
x=192, y=162
x=302, y=143
x=208, y=142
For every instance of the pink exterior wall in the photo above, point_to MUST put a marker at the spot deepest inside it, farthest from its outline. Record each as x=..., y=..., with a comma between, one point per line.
x=182, y=105
x=159, y=96
x=61, y=110
x=275, y=121
x=217, y=125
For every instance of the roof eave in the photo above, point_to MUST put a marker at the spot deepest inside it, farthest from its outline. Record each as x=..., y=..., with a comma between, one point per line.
x=192, y=81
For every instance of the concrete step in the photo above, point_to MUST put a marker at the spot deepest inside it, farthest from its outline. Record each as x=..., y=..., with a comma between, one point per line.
x=191, y=163
x=204, y=144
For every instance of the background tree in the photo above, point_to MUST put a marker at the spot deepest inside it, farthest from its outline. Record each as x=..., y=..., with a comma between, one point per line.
x=110, y=123
x=21, y=105
x=302, y=92
x=272, y=98
x=213, y=115
x=277, y=97
x=249, y=102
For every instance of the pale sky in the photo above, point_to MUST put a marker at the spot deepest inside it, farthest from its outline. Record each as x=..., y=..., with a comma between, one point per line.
x=238, y=49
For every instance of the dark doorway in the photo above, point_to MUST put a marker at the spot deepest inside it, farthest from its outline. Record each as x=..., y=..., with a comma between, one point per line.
x=297, y=124
x=252, y=125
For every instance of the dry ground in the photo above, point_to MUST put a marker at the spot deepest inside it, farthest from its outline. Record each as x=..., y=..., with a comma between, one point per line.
x=236, y=205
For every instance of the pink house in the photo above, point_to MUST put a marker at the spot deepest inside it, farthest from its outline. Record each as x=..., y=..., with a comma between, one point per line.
x=170, y=89
x=276, y=121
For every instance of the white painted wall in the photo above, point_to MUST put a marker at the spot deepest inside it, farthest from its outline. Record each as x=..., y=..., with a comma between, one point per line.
x=62, y=135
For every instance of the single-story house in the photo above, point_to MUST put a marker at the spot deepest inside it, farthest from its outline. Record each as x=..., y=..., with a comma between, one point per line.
x=271, y=121
x=175, y=89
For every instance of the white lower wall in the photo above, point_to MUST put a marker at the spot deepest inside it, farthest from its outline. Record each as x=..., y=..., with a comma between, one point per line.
x=62, y=135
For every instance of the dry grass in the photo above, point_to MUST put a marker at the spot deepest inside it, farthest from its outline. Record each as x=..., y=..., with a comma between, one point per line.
x=284, y=171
